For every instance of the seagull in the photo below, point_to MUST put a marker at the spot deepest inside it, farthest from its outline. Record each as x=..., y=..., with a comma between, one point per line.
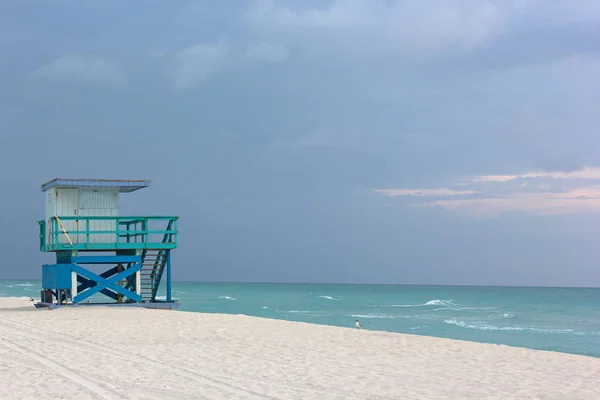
x=357, y=324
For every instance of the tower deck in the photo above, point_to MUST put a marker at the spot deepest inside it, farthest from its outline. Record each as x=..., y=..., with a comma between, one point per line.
x=108, y=233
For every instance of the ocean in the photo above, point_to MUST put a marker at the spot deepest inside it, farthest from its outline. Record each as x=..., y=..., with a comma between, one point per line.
x=557, y=319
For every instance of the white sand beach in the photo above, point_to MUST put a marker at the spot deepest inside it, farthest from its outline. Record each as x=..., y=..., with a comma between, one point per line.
x=123, y=353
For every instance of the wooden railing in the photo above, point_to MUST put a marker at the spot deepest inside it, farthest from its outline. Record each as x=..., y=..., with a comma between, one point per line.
x=108, y=233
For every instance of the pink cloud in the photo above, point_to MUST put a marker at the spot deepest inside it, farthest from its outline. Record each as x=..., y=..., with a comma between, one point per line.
x=579, y=195
x=584, y=200
x=589, y=173
x=424, y=192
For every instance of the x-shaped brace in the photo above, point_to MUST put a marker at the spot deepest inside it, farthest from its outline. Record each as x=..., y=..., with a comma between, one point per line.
x=106, y=283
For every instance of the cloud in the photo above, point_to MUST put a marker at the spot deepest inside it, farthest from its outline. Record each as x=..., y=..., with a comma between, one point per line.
x=424, y=192
x=81, y=69
x=411, y=26
x=195, y=64
x=586, y=200
x=266, y=52
x=538, y=193
x=584, y=173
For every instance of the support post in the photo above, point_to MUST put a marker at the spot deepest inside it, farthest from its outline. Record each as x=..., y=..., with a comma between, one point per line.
x=168, y=275
x=73, y=285
x=138, y=283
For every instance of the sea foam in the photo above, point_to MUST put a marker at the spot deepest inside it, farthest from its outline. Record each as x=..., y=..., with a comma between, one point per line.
x=490, y=327
x=328, y=298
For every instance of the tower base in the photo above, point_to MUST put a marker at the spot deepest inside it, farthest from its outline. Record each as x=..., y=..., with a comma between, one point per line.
x=127, y=277
x=169, y=305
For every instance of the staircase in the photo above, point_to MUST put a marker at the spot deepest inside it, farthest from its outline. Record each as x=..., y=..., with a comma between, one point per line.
x=153, y=266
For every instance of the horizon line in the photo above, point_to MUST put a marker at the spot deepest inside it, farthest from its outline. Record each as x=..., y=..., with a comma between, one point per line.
x=365, y=284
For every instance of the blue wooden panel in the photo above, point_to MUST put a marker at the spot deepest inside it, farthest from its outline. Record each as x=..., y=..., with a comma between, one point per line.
x=56, y=276
x=69, y=259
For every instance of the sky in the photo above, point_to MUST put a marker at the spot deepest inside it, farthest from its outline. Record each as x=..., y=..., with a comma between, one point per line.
x=357, y=141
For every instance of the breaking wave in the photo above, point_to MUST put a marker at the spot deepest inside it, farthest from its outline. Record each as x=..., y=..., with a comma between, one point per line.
x=164, y=298
x=429, y=303
x=378, y=316
x=491, y=327
x=442, y=305
x=329, y=298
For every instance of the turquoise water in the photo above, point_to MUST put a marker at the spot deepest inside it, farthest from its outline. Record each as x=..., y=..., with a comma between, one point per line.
x=558, y=319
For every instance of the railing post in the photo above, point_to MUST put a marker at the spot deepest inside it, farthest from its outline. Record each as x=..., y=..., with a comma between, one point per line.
x=55, y=231
x=42, y=234
x=168, y=275
x=87, y=232
x=176, y=231
x=117, y=234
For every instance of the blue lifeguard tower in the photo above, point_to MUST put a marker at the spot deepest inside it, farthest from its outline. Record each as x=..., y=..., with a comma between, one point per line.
x=102, y=257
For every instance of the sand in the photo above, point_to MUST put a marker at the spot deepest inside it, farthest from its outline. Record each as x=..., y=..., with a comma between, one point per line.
x=118, y=353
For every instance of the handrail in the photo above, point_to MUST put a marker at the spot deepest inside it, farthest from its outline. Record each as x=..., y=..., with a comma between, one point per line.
x=126, y=219
x=160, y=263
x=64, y=230
x=90, y=233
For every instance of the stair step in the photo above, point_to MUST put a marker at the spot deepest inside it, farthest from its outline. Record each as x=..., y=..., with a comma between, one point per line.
x=154, y=262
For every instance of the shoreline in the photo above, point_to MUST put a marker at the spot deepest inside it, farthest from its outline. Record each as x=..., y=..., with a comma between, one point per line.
x=112, y=353
x=335, y=326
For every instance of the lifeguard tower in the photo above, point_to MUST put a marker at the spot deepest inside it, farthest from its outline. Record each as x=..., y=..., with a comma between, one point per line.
x=100, y=253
